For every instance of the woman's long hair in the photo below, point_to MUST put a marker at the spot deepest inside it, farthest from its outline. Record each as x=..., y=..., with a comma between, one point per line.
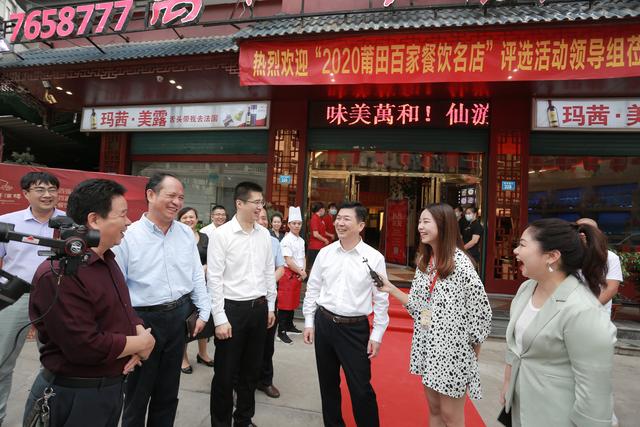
x=588, y=255
x=449, y=239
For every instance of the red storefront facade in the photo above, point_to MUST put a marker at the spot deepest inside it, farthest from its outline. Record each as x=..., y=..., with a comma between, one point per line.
x=420, y=103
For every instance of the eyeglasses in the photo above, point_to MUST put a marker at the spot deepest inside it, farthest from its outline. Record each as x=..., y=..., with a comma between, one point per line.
x=40, y=191
x=258, y=203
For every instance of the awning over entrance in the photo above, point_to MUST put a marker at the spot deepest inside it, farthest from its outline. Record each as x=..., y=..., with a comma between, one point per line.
x=30, y=133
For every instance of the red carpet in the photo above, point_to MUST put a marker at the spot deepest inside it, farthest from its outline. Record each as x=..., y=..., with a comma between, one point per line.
x=400, y=395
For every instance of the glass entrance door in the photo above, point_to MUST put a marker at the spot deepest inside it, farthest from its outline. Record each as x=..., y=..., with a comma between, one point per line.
x=395, y=188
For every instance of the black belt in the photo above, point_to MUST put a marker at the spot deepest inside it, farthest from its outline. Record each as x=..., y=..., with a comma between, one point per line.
x=75, y=382
x=336, y=318
x=251, y=302
x=165, y=307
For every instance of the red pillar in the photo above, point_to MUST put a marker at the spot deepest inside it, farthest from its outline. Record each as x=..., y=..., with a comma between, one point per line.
x=114, y=152
x=507, y=210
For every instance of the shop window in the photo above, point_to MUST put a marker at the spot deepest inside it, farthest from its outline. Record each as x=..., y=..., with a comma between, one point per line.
x=392, y=161
x=606, y=189
x=207, y=184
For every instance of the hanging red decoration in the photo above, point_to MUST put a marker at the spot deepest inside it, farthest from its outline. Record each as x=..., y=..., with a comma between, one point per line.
x=591, y=164
x=332, y=157
x=536, y=163
x=404, y=159
x=427, y=159
x=618, y=164
x=635, y=161
x=355, y=158
x=452, y=161
x=380, y=158
x=565, y=163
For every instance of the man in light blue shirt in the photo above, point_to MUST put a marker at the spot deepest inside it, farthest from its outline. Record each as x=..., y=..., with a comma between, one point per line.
x=161, y=265
x=22, y=260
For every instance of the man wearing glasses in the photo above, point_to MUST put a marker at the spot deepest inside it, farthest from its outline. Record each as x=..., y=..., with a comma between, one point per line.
x=41, y=191
x=241, y=281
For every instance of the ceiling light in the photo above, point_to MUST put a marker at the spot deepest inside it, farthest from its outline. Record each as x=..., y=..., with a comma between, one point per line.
x=510, y=77
x=172, y=81
x=178, y=87
x=59, y=88
x=515, y=70
x=69, y=92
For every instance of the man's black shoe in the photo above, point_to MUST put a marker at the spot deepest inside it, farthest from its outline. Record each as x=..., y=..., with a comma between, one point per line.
x=269, y=390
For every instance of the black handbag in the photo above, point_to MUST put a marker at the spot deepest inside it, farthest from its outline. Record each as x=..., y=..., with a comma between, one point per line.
x=207, y=332
x=505, y=417
x=40, y=413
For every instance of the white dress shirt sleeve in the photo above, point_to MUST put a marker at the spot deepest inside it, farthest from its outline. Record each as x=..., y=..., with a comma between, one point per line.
x=199, y=295
x=269, y=274
x=314, y=285
x=121, y=252
x=380, y=306
x=215, y=270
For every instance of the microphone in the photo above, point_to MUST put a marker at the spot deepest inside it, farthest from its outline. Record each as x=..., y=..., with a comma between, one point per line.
x=375, y=276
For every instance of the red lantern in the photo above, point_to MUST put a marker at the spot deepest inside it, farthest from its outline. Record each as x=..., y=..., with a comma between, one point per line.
x=591, y=164
x=355, y=158
x=404, y=159
x=536, y=163
x=427, y=158
x=380, y=158
x=618, y=164
x=565, y=163
x=332, y=157
x=452, y=161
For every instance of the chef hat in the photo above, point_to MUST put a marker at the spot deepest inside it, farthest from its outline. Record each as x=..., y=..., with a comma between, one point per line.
x=294, y=214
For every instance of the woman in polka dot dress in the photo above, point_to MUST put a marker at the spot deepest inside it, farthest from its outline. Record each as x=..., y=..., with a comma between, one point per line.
x=452, y=317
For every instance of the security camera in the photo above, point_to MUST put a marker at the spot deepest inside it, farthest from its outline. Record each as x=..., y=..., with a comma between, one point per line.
x=160, y=79
x=46, y=84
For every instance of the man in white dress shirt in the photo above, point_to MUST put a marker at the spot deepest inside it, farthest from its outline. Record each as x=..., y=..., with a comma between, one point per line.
x=218, y=217
x=340, y=295
x=240, y=277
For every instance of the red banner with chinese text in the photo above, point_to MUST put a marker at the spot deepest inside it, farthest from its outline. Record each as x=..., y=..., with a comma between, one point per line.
x=452, y=56
x=396, y=217
x=11, y=198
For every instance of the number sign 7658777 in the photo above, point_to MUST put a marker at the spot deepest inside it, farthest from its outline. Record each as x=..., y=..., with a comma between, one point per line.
x=41, y=24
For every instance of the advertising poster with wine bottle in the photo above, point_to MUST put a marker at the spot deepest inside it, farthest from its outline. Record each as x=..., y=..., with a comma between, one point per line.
x=587, y=114
x=237, y=115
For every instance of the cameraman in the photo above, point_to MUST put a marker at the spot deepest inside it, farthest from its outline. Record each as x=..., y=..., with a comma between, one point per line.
x=40, y=189
x=90, y=336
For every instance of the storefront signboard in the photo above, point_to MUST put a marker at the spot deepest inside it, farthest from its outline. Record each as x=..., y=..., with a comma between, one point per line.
x=214, y=116
x=587, y=114
x=399, y=113
x=578, y=52
x=396, y=217
x=91, y=19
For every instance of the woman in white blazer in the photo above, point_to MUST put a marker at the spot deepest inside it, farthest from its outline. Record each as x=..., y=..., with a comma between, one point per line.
x=559, y=341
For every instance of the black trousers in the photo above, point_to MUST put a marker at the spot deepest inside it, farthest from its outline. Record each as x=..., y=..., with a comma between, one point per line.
x=285, y=320
x=239, y=356
x=344, y=345
x=155, y=384
x=79, y=407
x=266, y=375
x=311, y=257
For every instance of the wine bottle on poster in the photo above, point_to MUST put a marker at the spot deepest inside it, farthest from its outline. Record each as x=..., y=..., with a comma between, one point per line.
x=552, y=115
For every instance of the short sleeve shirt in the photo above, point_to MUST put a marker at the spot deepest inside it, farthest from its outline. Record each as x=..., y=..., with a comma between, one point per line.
x=316, y=224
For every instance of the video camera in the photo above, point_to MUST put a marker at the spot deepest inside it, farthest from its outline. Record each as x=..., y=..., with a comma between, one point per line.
x=70, y=249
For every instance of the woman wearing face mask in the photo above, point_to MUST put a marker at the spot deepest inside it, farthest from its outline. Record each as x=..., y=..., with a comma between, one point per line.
x=471, y=231
x=452, y=317
x=329, y=219
x=559, y=341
